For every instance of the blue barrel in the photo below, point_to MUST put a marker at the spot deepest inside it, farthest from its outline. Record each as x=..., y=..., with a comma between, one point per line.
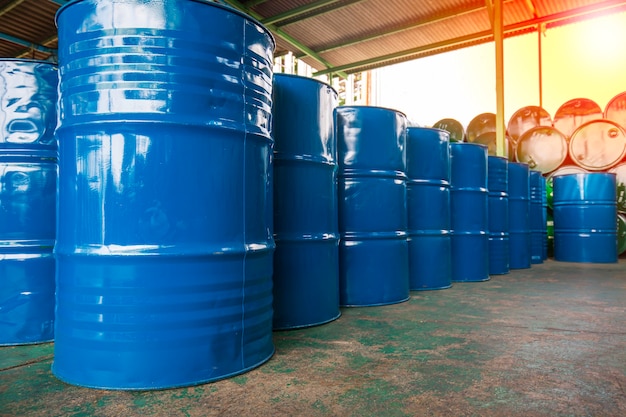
x=544, y=219
x=519, y=216
x=306, y=261
x=373, y=248
x=28, y=176
x=428, y=204
x=535, y=216
x=585, y=209
x=164, y=247
x=498, y=185
x=469, y=201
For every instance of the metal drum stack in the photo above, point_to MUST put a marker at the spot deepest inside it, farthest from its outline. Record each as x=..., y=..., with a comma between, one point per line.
x=428, y=204
x=28, y=177
x=373, y=250
x=306, y=261
x=164, y=247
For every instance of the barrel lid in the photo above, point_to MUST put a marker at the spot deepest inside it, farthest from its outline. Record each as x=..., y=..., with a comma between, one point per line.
x=207, y=2
x=305, y=78
x=574, y=113
x=367, y=107
x=598, y=145
x=453, y=127
x=543, y=148
x=526, y=118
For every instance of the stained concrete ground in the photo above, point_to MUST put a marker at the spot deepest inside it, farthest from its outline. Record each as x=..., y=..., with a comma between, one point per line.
x=545, y=341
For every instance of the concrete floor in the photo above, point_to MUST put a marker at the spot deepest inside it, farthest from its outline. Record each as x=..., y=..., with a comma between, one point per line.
x=546, y=341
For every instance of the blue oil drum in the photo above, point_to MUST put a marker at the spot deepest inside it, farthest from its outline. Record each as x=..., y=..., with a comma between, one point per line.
x=498, y=186
x=373, y=248
x=544, y=219
x=585, y=212
x=469, y=201
x=536, y=218
x=306, y=261
x=28, y=176
x=428, y=205
x=519, y=216
x=165, y=242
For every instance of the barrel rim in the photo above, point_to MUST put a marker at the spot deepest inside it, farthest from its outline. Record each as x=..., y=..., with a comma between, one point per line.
x=429, y=129
x=365, y=106
x=29, y=60
x=207, y=2
x=303, y=77
x=482, y=145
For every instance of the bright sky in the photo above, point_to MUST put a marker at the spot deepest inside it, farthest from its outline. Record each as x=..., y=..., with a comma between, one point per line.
x=582, y=60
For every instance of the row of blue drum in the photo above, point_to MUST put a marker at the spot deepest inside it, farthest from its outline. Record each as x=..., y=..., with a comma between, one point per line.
x=203, y=202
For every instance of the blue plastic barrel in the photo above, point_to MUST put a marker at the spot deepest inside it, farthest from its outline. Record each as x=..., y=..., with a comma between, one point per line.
x=164, y=247
x=535, y=216
x=468, y=210
x=306, y=261
x=428, y=204
x=28, y=175
x=519, y=216
x=498, y=185
x=585, y=209
x=373, y=248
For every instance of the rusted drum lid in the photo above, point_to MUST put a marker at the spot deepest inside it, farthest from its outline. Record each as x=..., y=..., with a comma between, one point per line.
x=483, y=123
x=489, y=139
x=575, y=113
x=615, y=109
x=620, y=178
x=453, y=127
x=598, y=145
x=543, y=148
x=525, y=119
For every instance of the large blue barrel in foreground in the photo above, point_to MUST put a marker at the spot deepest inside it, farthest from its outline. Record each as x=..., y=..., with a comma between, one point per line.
x=28, y=176
x=306, y=261
x=536, y=219
x=468, y=211
x=428, y=204
x=373, y=250
x=519, y=216
x=164, y=248
x=498, y=185
x=585, y=212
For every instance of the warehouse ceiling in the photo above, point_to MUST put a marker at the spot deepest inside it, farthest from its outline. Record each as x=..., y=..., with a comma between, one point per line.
x=340, y=36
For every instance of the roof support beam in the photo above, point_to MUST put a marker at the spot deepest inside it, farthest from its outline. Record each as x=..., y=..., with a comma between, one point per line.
x=484, y=36
x=306, y=10
x=22, y=42
x=288, y=38
x=12, y=5
x=45, y=43
x=498, y=35
x=402, y=29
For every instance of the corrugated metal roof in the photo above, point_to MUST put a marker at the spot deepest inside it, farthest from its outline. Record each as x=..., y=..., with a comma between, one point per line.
x=341, y=36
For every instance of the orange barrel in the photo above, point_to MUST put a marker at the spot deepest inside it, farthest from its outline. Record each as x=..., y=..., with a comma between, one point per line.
x=543, y=148
x=598, y=145
x=575, y=113
x=615, y=109
x=453, y=127
x=483, y=123
x=525, y=119
x=620, y=179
